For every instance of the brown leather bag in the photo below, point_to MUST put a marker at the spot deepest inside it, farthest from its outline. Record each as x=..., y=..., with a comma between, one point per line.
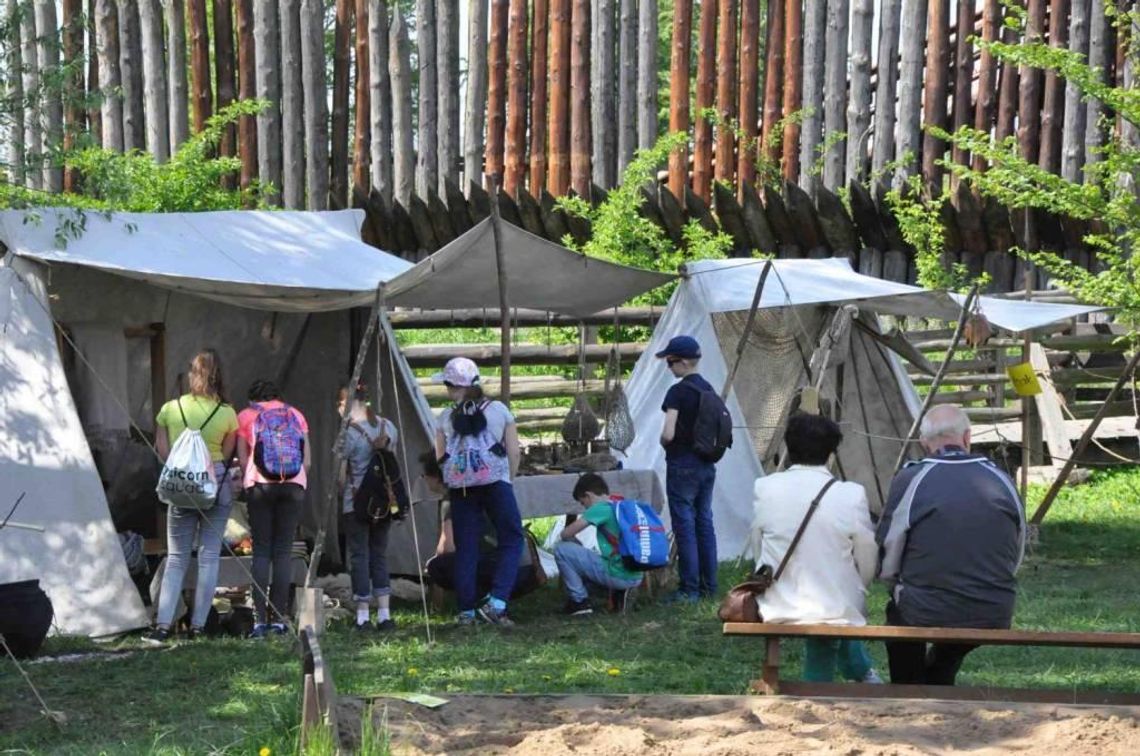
x=739, y=604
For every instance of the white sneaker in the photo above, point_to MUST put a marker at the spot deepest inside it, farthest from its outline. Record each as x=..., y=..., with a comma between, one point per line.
x=872, y=678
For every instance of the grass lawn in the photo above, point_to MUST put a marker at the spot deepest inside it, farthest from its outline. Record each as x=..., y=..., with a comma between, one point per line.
x=236, y=697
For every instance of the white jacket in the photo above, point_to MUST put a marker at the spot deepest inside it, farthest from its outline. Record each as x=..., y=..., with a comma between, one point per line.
x=826, y=578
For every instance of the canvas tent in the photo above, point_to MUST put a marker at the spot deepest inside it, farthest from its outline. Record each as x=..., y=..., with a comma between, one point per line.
x=138, y=295
x=864, y=380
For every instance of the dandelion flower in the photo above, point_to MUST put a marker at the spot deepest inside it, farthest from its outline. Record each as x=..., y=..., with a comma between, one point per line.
x=613, y=671
x=412, y=671
x=264, y=751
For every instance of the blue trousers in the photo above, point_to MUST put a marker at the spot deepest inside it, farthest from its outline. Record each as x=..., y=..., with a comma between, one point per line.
x=367, y=556
x=689, y=490
x=468, y=508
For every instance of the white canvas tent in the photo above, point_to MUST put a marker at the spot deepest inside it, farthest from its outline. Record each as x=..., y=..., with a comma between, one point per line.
x=267, y=289
x=876, y=401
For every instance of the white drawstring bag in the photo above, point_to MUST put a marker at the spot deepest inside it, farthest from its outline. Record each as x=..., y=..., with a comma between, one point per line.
x=187, y=479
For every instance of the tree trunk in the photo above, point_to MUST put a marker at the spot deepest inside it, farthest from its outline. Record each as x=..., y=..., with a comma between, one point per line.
x=773, y=81
x=315, y=103
x=1007, y=91
x=247, y=90
x=155, y=103
x=476, y=105
x=580, y=97
x=726, y=90
x=380, y=99
x=679, y=92
x=267, y=53
x=175, y=12
x=558, y=175
x=342, y=45
x=427, y=163
x=859, y=104
x=225, y=73
x=811, y=136
x=494, y=158
x=1099, y=52
x=835, y=93
x=15, y=63
x=48, y=58
x=963, y=75
x=540, y=37
x=986, y=108
x=793, y=84
x=107, y=27
x=706, y=90
x=886, y=86
x=131, y=74
x=748, y=88
x=937, y=83
x=627, y=81
x=292, y=106
x=1029, y=93
x=602, y=80
x=201, y=95
x=1073, y=129
x=515, y=161
x=1053, y=112
x=647, y=74
x=403, y=149
x=94, y=110
x=73, y=114
x=914, y=14
x=448, y=71
x=362, y=108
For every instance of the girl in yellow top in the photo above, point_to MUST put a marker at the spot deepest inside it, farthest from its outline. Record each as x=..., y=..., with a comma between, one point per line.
x=205, y=409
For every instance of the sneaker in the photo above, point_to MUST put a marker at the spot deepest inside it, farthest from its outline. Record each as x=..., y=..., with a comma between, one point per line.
x=465, y=620
x=259, y=632
x=158, y=636
x=362, y=626
x=386, y=626
x=680, y=597
x=493, y=616
x=577, y=608
x=278, y=628
x=872, y=678
x=195, y=633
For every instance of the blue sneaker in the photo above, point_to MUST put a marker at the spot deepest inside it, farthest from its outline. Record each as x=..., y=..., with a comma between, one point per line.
x=495, y=616
x=259, y=632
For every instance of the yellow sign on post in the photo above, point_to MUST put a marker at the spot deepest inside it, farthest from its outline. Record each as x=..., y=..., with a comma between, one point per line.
x=1024, y=380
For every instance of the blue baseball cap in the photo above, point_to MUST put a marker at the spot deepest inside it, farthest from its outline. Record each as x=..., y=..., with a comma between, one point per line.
x=685, y=347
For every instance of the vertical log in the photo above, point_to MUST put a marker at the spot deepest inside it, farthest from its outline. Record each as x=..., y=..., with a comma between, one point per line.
x=811, y=132
x=726, y=90
x=476, y=105
x=773, y=79
x=362, y=108
x=315, y=103
x=447, y=69
x=1099, y=51
x=403, y=150
x=602, y=80
x=48, y=58
x=937, y=82
x=380, y=100
x=580, y=97
x=540, y=29
x=131, y=74
x=986, y=108
x=267, y=53
x=1053, y=111
x=201, y=95
x=33, y=135
x=627, y=81
x=95, y=109
x=107, y=28
x=883, y=144
x=225, y=71
x=647, y=73
x=427, y=160
x=835, y=93
x=15, y=63
x=558, y=175
x=749, y=94
x=1073, y=128
x=177, y=87
x=342, y=43
x=859, y=104
x=706, y=89
x=494, y=158
x=1029, y=92
x=155, y=104
x=292, y=106
x=679, y=91
x=247, y=90
x=1007, y=91
x=73, y=115
x=793, y=84
x=515, y=159
x=963, y=74
x=910, y=85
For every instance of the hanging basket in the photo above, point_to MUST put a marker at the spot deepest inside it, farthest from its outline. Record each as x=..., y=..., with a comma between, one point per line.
x=581, y=424
x=620, y=432
x=977, y=330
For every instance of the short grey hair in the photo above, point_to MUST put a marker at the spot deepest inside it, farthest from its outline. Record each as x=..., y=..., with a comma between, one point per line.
x=944, y=420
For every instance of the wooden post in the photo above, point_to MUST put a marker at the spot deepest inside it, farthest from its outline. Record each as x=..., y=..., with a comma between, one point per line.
x=1053, y=111
x=603, y=108
x=293, y=106
x=201, y=93
x=681, y=52
x=835, y=93
x=773, y=79
x=94, y=110
x=963, y=75
x=73, y=115
x=427, y=157
x=342, y=43
x=1100, y=31
x=647, y=73
x=447, y=89
x=131, y=74
x=1073, y=128
x=726, y=90
x=706, y=89
x=793, y=84
x=1007, y=91
x=986, y=108
x=15, y=63
x=107, y=28
x=48, y=58
x=910, y=85
x=935, y=97
x=540, y=36
x=558, y=175
x=859, y=104
x=362, y=108
x=627, y=82
x=515, y=63
x=504, y=304
x=580, y=97
x=267, y=53
x=811, y=136
x=770, y=676
x=496, y=92
x=403, y=150
x=247, y=90
x=178, y=89
x=883, y=143
x=749, y=94
x=746, y=333
x=225, y=72
x=476, y=104
x=316, y=103
x=380, y=100
x=1029, y=93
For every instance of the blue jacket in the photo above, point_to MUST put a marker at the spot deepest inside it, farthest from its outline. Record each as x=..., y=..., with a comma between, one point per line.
x=951, y=538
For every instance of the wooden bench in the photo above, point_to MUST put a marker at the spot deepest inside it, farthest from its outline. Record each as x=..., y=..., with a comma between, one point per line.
x=770, y=682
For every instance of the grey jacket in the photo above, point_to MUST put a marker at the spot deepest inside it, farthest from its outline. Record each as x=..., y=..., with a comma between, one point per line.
x=951, y=538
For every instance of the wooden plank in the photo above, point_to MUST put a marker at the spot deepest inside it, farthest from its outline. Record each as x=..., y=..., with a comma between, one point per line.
x=176, y=80
x=447, y=89
x=886, y=87
x=429, y=355
x=773, y=81
x=403, y=137
x=979, y=636
x=380, y=100
x=293, y=105
x=201, y=91
x=130, y=64
x=603, y=85
x=1111, y=428
x=1009, y=83
x=107, y=29
x=558, y=122
x=74, y=116
x=811, y=129
x=1073, y=126
x=267, y=53
x=427, y=142
x=475, y=107
x=362, y=104
x=1100, y=34
x=963, y=75
x=493, y=157
x=725, y=165
x=770, y=674
x=911, y=47
x=793, y=84
x=1048, y=404
x=579, y=96
x=316, y=104
x=647, y=43
x=679, y=66
x=627, y=82
x=1053, y=109
x=51, y=98
x=835, y=95
x=540, y=38
x=247, y=90
x=966, y=379
x=1029, y=91
x=859, y=103
x=706, y=88
x=985, y=109
x=225, y=74
x=522, y=389
x=957, y=693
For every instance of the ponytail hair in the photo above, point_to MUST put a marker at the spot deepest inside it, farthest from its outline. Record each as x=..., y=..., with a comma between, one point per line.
x=358, y=394
x=206, y=375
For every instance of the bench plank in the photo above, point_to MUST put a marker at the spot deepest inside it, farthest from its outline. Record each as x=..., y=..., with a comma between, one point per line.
x=953, y=693
x=938, y=634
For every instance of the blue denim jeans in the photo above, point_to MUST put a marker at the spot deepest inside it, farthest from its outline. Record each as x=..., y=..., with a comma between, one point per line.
x=823, y=655
x=578, y=565
x=367, y=556
x=183, y=528
x=689, y=490
x=468, y=507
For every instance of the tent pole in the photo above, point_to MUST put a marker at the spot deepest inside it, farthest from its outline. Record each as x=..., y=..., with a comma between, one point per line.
x=504, y=309
x=1026, y=401
x=967, y=307
x=747, y=330
x=1083, y=443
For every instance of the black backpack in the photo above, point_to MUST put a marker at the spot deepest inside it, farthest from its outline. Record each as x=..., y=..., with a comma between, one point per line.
x=712, y=427
x=382, y=494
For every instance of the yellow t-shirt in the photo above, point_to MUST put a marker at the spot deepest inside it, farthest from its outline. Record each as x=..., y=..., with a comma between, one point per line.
x=197, y=409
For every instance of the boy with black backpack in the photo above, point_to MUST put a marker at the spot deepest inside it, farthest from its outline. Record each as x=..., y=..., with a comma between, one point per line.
x=696, y=434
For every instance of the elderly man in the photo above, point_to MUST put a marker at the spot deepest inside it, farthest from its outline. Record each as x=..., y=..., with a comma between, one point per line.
x=951, y=538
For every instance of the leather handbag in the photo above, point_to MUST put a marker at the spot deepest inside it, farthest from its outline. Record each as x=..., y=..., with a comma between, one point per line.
x=739, y=604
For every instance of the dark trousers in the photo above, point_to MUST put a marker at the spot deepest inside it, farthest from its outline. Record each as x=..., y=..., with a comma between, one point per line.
x=441, y=572
x=912, y=663
x=690, y=491
x=469, y=506
x=274, y=511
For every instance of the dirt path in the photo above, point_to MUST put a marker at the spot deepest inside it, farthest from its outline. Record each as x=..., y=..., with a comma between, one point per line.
x=729, y=725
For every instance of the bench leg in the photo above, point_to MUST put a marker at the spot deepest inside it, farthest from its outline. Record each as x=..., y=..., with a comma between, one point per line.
x=769, y=682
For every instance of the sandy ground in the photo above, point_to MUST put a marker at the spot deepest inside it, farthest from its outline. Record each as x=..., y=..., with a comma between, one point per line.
x=725, y=725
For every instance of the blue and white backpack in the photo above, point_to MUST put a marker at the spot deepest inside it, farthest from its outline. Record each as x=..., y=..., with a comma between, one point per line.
x=478, y=459
x=641, y=540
